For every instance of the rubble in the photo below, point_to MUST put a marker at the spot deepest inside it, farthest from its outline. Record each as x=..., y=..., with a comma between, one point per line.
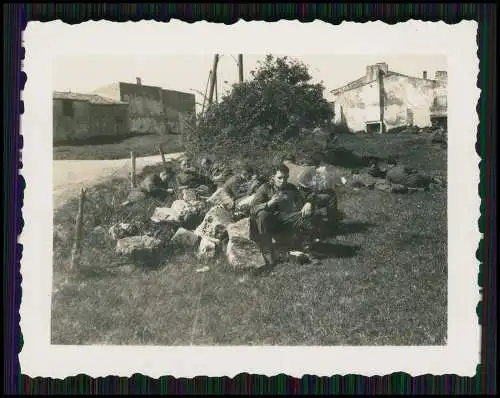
x=185, y=239
x=240, y=229
x=134, y=246
x=179, y=211
x=220, y=198
x=123, y=230
x=208, y=248
x=215, y=222
x=243, y=204
x=244, y=254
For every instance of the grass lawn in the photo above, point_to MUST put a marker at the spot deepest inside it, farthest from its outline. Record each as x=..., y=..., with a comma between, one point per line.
x=142, y=144
x=382, y=281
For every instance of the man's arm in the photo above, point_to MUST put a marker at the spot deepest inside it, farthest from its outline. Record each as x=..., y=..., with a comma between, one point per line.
x=260, y=199
x=229, y=186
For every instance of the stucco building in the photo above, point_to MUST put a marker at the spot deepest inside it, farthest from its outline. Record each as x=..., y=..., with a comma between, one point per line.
x=383, y=99
x=82, y=116
x=152, y=109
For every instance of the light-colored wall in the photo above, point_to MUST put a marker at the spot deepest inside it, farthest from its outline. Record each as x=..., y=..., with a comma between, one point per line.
x=407, y=100
x=403, y=93
x=357, y=106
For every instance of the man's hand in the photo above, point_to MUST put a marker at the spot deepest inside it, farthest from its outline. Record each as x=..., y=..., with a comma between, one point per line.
x=275, y=198
x=306, y=210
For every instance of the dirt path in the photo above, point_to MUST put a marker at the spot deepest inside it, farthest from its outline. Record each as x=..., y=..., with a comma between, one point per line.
x=70, y=175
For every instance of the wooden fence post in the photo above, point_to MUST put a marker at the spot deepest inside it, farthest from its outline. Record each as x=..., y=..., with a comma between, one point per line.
x=162, y=157
x=132, y=172
x=75, y=253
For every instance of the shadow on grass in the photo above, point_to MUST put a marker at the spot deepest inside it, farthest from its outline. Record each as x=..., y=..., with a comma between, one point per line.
x=325, y=250
x=355, y=227
x=344, y=228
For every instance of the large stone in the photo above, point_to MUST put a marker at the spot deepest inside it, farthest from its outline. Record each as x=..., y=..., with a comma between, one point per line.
x=123, y=230
x=137, y=245
x=208, y=247
x=215, y=222
x=162, y=214
x=179, y=211
x=189, y=195
x=244, y=254
x=185, y=239
x=240, y=229
x=220, y=198
x=244, y=204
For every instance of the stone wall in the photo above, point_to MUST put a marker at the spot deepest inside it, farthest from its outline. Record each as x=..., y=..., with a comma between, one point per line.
x=71, y=120
x=145, y=108
x=76, y=120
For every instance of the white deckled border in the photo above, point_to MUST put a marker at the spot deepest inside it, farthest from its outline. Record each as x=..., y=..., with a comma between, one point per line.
x=44, y=41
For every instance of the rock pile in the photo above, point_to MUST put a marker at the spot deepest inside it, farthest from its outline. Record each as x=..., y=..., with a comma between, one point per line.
x=204, y=228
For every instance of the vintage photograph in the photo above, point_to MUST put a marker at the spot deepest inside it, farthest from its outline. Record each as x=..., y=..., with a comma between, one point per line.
x=250, y=200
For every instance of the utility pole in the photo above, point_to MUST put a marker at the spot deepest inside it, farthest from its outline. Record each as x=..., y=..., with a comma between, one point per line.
x=240, y=67
x=216, y=91
x=213, y=79
x=205, y=93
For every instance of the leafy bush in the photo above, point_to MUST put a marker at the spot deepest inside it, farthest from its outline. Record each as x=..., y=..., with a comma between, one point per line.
x=265, y=119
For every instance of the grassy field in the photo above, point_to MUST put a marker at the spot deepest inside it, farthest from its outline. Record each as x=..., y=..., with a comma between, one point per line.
x=382, y=280
x=142, y=144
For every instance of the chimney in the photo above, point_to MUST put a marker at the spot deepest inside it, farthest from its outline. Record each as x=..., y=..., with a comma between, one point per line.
x=138, y=81
x=372, y=71
x=441, y=75
x=383, y=67
x=424, y=74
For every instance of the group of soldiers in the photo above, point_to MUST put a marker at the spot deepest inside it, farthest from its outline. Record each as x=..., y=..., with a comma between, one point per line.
x=279, y=211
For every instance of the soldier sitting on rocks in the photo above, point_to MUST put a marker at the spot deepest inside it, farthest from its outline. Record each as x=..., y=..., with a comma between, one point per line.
x=279, y=211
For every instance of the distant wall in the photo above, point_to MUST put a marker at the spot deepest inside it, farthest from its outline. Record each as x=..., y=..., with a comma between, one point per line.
x=400, y=100
x=80, y=120
x=179, y=107
x=353, y=108
x=145, y=108
x=109, y=120
x=71, y=120
x=408, y=101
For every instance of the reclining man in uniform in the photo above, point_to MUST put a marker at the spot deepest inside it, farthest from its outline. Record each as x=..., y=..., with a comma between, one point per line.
x=189, y=177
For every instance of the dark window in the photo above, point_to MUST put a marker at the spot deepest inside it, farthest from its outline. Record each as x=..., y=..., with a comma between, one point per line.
x=68, y=108
x=373, y=128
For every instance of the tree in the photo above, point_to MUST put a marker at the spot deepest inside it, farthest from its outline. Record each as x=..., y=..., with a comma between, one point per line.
x=265, y=118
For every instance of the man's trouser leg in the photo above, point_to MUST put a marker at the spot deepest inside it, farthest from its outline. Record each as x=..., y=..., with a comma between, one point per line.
x=262, y=227
x=330, y=202
x=294, y=224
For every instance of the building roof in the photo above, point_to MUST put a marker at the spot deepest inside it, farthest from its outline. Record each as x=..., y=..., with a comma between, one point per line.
x=362, y=81
x=91, y=98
